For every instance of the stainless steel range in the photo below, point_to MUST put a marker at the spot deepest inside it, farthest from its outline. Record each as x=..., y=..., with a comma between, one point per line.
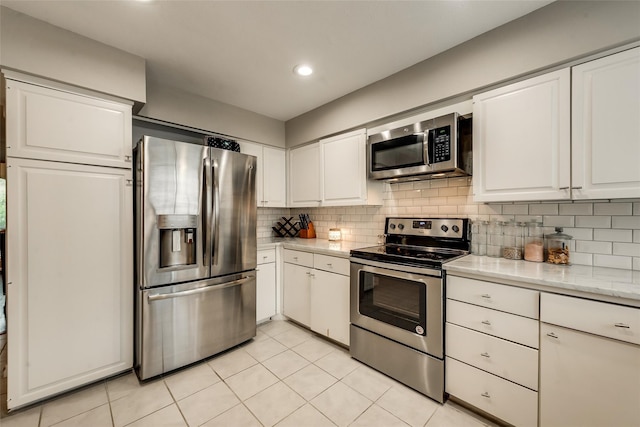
x=397, y=300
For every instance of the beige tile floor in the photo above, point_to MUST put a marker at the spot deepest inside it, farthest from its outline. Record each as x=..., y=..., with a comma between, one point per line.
x=285, y=377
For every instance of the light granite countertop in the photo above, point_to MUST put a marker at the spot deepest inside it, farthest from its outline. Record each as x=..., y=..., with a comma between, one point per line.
x=320, y=246
x=606, y=284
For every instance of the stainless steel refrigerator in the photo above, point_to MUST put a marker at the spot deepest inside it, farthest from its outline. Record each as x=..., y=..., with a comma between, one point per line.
x=195, y=253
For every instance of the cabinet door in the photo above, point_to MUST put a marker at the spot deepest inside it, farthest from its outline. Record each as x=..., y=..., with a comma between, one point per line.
x=48, y=124
x=330, y=305
x=586, y=380
x=344, y=169
x=256, y=150
x=274, y=167
x=606, y=134
x=521, y=140
x=304, y=176
x=265, y=291
x=296, y=291
x=70, y=276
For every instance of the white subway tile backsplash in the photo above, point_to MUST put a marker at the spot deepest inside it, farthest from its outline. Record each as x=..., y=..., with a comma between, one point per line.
x=589, y=246
x=558, y=221
x=576, y=209
x=581, y=258
x=636, y=236
x=439, y=183
x=515, y=209
x=490, y=209
x=627, y=249
x=593, y=221
x=636, y=263
x=580, y=233
x=612, y=208
x=632, y=222
x=448, y=191
x=612, y=261
x=612, y=235
x=543, y=209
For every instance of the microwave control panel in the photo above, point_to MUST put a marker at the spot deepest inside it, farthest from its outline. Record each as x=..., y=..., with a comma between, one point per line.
x=440, y=144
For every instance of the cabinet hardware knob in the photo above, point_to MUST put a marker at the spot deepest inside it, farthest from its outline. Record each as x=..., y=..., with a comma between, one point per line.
x=622, y=325
x=486, y=322
x=552, y=335
x=485, y=354
x=485, y=394
x=486, y=296
x=265, y=257
x=127, y=158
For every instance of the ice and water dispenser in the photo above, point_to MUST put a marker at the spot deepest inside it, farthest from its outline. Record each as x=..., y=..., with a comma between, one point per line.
x=178, y=237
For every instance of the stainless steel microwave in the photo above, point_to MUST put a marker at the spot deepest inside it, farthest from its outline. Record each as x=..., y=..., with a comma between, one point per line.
x=434, y=148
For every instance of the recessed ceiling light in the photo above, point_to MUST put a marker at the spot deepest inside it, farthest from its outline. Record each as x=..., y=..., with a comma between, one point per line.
x=303, y=70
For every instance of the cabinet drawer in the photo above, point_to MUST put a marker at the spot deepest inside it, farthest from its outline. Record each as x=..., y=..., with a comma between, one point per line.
x=298, y=257
x=331, y=264
x=523, y=302
x=266, y=256
x=508, y=360
x=508, y=401
x=497, y=323
x=600, y=318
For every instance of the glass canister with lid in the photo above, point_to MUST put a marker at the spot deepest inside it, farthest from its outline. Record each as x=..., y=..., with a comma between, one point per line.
x=494, y=239
x=513, y=240
x=558, y=247
x=534, y=242
x=479, y=237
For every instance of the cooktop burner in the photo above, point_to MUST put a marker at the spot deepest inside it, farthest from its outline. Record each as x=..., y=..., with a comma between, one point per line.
x=420, y=241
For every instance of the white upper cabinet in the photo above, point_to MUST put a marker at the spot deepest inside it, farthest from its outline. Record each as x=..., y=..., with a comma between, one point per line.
x=48, y=124
x=271, y=177
x=333, y=172
x=304, y=176
x=605, y=126
x=344, y=171
x=521, y=140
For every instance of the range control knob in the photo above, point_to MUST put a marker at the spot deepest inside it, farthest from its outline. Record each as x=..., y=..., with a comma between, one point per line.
x=455, y=229
x=392, y=226
x=401, y=226
x=444, y=228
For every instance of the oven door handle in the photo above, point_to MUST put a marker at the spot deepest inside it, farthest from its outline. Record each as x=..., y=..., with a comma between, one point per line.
x=403, y=270
x=392, y=273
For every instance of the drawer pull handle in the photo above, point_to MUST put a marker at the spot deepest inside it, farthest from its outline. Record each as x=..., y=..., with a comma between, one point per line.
x=485, y=354
x=265, y=257
x=485, y=394
x=328, y=264
x=486, y=322
x=486, y=296
x=552, y=335
x=622, y=325
x=295, y=258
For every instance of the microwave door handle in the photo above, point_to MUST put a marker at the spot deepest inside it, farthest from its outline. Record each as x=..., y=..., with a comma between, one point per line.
x=427, y=145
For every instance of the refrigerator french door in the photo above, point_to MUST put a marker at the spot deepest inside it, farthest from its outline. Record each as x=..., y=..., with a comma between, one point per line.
x=195, y=253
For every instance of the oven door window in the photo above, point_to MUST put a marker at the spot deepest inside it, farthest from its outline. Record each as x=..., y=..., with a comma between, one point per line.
x=401, y=152
x=395, y=301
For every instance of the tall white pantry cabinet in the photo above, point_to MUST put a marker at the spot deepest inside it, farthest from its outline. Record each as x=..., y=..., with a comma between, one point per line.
x=69, y=238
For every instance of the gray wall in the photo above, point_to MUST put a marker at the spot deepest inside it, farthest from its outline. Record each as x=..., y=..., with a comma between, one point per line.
x=36, y=47
x=176, y=106
x=556, y=34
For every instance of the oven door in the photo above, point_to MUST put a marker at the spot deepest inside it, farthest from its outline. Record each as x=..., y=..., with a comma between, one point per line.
x=406, y=307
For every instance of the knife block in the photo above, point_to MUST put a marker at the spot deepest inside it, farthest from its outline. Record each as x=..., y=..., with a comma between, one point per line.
x=309, y=233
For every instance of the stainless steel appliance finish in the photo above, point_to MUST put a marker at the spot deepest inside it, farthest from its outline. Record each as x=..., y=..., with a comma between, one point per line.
x=195, y=252
x=435, y=148
x=397, y=300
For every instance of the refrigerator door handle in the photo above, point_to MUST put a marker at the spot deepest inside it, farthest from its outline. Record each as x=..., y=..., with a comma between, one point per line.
x=216, y=211
x=158, y=297
x=206, y=210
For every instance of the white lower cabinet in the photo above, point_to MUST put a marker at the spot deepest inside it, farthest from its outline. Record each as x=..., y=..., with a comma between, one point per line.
x=316, y=293
x=266, y=285
x=69, y=276
x=588, y=379
x=491, y=347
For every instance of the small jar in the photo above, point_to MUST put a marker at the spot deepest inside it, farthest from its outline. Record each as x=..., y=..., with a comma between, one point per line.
x=494, y=239
x=558, y=247
x=534, y=242
x=512, y=242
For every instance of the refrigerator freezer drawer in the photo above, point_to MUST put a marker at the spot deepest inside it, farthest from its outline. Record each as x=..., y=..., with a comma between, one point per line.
x=182, y=324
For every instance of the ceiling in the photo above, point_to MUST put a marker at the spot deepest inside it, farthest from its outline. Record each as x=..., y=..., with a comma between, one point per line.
x=243, y=52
